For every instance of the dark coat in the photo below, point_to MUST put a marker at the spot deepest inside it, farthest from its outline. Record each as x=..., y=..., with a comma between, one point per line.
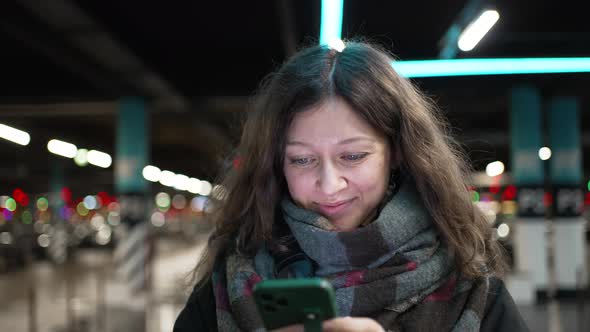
x=501, y=314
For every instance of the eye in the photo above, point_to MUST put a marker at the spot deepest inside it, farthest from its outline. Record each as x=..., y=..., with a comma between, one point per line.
x=354, y=156
x=301, y=161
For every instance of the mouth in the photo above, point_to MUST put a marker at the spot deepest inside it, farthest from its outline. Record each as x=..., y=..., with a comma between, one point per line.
x=331, y=209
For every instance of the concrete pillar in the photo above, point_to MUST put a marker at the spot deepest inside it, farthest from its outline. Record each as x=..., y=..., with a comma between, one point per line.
x=528, y=175
x=566, y=175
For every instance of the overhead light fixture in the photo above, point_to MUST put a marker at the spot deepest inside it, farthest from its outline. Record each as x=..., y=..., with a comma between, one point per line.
x=495, y=168
x=100, y=159
x=81, y=158
x=331, y=21
x=206, y=188
x=544, y=153
x=181, y=182
x=167, y=178
x=14, y=135
x=151, y=173
x=62, y=148
x=492, y=66
x=194, y=185
x=476, y=30
x=336, y=44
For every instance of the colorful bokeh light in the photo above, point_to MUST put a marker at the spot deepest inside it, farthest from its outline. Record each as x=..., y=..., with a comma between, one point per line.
x=474, y=196
x=10, y=204
x=42, y=204
x=20, y=197
x=66, y=194
x=81, y=209
x=27, y=217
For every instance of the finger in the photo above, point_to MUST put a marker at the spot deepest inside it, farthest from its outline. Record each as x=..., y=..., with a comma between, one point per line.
x=351, y=324
x=290, y=328
x=337, y=324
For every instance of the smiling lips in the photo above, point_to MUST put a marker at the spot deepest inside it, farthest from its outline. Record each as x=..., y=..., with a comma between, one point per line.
x=333, y=209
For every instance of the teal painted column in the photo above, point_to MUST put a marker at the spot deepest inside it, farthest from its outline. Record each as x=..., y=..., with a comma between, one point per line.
x=132, y=146
x=528, y=175
x=565, y=168
x=564, y=138
x=134, y=247
x=526, y=139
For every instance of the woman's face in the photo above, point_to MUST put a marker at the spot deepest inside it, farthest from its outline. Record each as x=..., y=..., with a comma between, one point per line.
x=336, y=164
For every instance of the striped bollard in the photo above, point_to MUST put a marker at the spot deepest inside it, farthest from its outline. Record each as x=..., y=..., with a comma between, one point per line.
x=133, y=252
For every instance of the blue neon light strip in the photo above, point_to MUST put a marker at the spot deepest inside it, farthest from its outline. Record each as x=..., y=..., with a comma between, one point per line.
x=331, y=21
x=506, y=66
x=331, y=28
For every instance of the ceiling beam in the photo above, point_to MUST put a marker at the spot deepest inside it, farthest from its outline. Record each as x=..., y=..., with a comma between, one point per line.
x=80, y=31
x=41, y=42
x=58, y=109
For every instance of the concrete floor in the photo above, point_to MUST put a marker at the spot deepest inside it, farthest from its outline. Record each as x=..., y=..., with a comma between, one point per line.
x=85, y=296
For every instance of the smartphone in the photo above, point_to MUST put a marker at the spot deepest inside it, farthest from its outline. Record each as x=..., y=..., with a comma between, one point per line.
x=307, y=301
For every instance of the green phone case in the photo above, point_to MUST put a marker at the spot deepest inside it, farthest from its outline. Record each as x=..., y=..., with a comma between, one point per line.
x=307, y=301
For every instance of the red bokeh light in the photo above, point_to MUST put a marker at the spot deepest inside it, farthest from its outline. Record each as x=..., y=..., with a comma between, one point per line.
x=20, y=197
x=509, y=193
x=494, y=189
x=547, y=199
x=66, y=194
x=105, y=198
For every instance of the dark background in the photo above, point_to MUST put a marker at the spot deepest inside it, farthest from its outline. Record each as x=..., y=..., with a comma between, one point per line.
x=65, y=64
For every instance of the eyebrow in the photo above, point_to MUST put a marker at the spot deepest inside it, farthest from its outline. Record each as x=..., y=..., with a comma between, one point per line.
x=343, y=142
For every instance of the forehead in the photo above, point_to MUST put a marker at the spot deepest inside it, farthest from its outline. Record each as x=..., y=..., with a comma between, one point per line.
x=333, y=119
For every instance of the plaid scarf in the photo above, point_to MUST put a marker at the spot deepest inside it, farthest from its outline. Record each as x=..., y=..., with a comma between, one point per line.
x=394, y=270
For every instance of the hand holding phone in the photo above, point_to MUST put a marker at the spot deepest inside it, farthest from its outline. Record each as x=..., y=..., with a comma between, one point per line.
x=283, y=302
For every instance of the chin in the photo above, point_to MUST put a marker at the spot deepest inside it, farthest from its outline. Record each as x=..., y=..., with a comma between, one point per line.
x=346, y=227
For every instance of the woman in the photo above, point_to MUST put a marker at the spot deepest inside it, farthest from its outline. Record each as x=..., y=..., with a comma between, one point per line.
x=347, y=173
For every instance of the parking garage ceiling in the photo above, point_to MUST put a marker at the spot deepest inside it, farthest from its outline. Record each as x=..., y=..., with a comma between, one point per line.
x=65, y=64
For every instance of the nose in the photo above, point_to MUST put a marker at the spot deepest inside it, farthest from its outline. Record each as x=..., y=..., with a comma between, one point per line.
x=331, y=180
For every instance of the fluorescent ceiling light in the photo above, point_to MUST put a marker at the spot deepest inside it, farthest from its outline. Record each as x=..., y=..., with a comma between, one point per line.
x=336, y=44
x=14, y=135
x=495, y=168
x=81, y=158
x=167, y=178
x=477, y=30
x=194, y=185
x=497, y=66
x=99, y=159
x=151, y=173
x=62, y=148
x=181, y=182
x=544, y=153
x=331, y=21
x=205, y=188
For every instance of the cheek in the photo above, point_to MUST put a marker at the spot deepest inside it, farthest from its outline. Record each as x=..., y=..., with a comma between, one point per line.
x=371, y=184
x=300, y=186
x=373, y=180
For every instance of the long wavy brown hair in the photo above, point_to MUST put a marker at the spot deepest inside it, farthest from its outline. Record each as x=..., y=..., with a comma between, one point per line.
x=361, y=74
